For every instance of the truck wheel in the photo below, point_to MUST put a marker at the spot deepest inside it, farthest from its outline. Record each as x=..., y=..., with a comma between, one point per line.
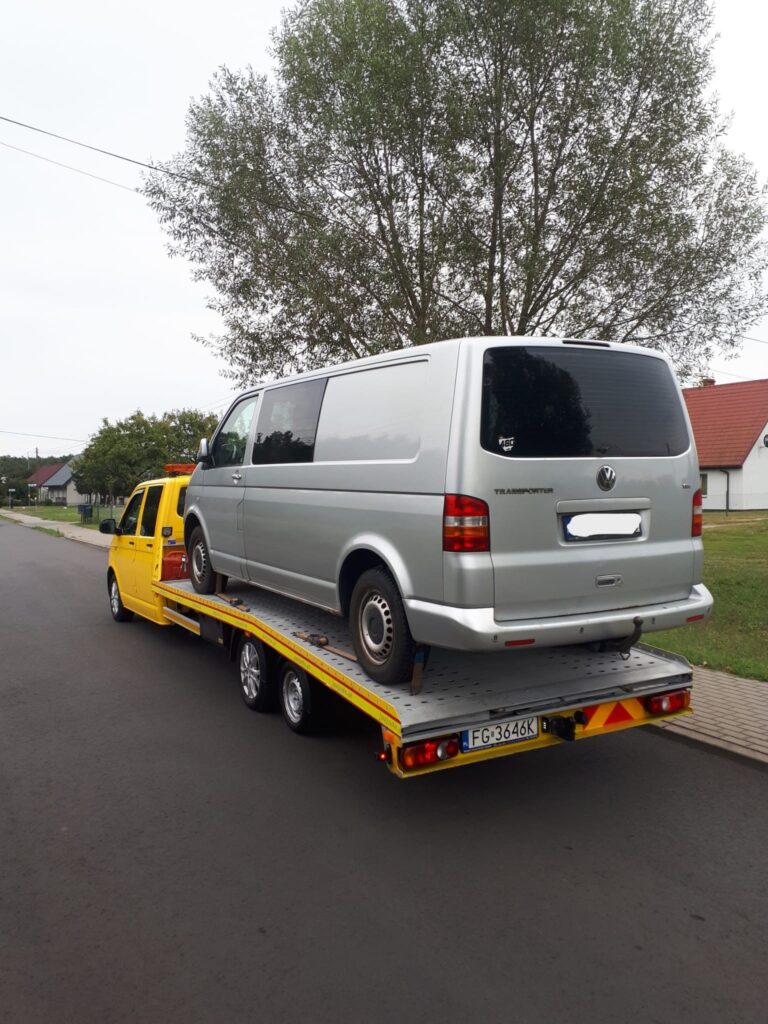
x=119, y=612
x=380, y=633
x=200, y=569
x=255, y=685
x=295, y=693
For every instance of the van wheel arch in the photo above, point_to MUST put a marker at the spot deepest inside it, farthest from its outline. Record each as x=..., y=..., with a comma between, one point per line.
x=354, y=565
x=189, y=524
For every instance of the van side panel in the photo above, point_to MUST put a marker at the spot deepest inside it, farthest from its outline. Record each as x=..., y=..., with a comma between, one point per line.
x=378, y=472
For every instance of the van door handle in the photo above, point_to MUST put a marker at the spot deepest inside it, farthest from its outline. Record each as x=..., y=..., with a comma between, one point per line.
x=130, y=542
x=236, y=477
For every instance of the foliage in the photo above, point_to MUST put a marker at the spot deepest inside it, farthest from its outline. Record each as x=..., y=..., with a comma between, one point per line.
x=419, y=169
x=122, y=453
x=735, y=637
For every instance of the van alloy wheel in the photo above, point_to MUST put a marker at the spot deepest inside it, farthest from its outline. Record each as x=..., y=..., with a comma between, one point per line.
x=256, y=686
x=119, y=612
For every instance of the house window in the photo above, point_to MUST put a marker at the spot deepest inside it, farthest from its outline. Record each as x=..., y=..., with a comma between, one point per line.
x=703, y=479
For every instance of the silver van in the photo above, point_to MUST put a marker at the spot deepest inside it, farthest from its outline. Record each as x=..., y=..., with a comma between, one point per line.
x=479, y=494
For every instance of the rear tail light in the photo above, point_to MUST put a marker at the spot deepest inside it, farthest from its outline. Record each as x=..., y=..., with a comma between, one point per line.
x=697, y=519
x=419, y=755
x=666, y=703
x=465, y=524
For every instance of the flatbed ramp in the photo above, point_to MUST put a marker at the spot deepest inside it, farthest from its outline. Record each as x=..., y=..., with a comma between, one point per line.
x=458, y=691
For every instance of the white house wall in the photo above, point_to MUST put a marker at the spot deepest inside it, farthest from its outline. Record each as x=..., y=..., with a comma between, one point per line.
x=748, y=485
x=755, y=485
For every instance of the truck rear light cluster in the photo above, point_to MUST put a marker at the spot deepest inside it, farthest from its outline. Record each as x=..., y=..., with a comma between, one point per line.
x=666, y=703
x=697, y=518
x=465, y=524
x=419, y=755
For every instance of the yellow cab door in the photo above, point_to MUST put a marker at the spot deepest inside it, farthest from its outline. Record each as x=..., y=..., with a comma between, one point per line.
x=146, y=543
x=124, y=547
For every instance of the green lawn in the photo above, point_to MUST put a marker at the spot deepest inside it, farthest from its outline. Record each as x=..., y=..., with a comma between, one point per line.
x=63, y=514
x=735, y=638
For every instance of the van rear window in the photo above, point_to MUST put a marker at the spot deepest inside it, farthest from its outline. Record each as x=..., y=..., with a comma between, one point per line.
x=571, y=403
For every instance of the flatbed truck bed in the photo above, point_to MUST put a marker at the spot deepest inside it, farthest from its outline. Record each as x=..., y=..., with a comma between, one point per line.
x=456, y=709
x=568, y=693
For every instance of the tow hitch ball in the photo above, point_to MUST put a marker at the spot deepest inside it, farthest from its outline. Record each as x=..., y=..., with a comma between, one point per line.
x=564, y=728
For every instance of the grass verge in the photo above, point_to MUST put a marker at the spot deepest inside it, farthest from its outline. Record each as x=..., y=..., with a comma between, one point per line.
x=735, y=639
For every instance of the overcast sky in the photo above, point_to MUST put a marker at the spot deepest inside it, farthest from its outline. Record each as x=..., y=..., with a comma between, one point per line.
x=95, y=318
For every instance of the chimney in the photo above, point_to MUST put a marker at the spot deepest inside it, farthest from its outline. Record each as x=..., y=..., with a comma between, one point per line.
x=707, y=382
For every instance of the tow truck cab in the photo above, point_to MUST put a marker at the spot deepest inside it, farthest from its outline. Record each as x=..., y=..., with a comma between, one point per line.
x=148, y=543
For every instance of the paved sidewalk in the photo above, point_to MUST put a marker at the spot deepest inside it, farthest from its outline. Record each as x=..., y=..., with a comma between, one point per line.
x=729, y=712
x=69, y=530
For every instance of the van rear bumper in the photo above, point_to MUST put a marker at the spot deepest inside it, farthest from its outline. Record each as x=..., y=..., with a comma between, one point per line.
x=475, y=629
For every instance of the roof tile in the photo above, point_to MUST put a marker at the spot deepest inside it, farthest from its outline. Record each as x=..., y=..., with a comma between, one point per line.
x=727, y=419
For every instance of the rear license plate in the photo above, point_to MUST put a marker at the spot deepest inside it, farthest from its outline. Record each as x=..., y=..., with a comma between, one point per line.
x=514, y=730
x=602, y=526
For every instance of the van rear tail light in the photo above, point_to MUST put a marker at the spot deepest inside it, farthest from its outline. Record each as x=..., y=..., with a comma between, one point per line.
x=465, y=524
x=666, y=703
x=419, y=755
x=697, y=520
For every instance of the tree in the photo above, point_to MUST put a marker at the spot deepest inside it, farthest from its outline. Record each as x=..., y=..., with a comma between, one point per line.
x=419, y=169
x=122, y=453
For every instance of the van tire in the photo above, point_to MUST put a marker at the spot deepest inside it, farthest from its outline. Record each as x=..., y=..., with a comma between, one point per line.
x=119, y=612
x=295, y=692
x=200, y=569
x=256, y=686
x=381, y=637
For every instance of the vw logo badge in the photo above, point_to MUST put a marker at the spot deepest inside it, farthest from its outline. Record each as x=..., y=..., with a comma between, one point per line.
x=606, y=478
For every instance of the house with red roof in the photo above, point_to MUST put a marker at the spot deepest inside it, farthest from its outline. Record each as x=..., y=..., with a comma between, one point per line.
x=730, y=425
x=55, y=483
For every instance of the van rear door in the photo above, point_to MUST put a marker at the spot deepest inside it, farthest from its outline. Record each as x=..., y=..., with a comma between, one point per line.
x=586, y=464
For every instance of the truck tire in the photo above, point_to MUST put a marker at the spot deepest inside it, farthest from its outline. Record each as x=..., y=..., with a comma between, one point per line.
x=200, y=569
x=119, y=612
x=296, y=698
x=382, y=640
x=256, y=687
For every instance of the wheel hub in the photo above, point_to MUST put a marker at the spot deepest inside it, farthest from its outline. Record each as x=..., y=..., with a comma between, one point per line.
x=199, y=562
x=376, y=627
x=294, y=698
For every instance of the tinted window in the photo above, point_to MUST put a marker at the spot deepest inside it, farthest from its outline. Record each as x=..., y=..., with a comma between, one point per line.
x=288, y=423
x=570, y=402
x=231, y=439
x=149, y=515
x=180, y=503
x=130, y=518
x=372, y=414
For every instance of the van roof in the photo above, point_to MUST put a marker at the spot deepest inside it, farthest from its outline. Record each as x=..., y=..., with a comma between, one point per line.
x=490, y=340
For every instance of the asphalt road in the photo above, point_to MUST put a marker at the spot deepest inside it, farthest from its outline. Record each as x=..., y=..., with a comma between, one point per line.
x=167, y=855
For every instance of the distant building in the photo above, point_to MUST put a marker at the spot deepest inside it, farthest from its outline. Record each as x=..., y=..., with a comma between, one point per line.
x=730, y=425
x=55, y=483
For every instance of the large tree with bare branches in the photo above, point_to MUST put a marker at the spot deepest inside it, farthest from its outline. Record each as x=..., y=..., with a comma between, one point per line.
x=420, y=169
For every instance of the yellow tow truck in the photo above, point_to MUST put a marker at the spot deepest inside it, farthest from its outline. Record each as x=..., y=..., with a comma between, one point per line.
x=456, y=709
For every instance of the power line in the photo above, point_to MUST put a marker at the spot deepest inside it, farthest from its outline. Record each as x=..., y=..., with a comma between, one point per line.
x=95, y=149
x=48, y=437
x=68, y=167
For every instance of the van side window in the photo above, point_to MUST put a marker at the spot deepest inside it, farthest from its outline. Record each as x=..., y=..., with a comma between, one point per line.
x=287, y=424
x=181, y=501
x=149, y=514
x=130, y=518
x=229, y=444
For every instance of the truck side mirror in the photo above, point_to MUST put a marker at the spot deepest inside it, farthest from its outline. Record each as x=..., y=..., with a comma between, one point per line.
x=108, y=526
x=203, y=452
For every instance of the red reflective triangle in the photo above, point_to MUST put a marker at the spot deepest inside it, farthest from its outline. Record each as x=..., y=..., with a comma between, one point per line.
x=617, y=715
